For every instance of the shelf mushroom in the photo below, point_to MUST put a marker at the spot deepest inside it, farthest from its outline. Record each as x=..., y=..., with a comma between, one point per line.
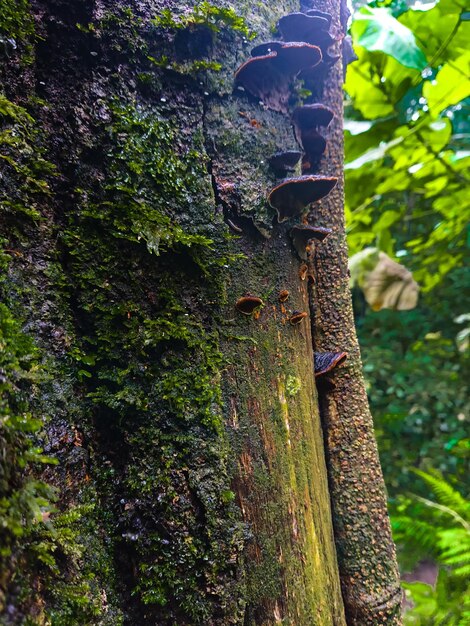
x=324, y=362
x=284, y=161
x=303, y=27
x=291, y=196
x=268, y=76
x=248, y=304
x=306, y=120
x=302, y=234
x=297, y=317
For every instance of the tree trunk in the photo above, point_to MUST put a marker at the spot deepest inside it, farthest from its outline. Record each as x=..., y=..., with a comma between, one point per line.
x=191, y=484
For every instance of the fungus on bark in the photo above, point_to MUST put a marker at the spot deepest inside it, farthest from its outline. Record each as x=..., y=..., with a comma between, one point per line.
x=283, y=295
x=302, y=27
x=293, y=195
x=303, y=271
x=302, y=234
x=268, y=76
x=284, y=161
x=312, y=115
x=248, y=304
x=311, y=26
x=297, y=317
x=266, y=48
x=306, y=120
x=324, y=362
x=316, y=13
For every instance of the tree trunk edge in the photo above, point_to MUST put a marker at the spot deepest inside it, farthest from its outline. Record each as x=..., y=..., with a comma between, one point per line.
x=366, y=553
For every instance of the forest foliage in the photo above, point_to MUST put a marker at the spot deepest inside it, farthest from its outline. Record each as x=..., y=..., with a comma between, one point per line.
x=407, y=174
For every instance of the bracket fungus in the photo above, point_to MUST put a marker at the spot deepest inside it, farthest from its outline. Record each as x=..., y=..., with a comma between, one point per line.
x=293, y=195
x=306, y=120
x=283, y=295
x=284, y=161
x=311, y=26
x=302, y=27
x=302, y=234
x=324, y=362
x=317, y=13
x=312, y=115
x=268, y=76
x=266, y=48
x=248, y=304
x=297, y=317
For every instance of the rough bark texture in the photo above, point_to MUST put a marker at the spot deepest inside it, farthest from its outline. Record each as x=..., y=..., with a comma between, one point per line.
x=191, y=485
x=366, y=554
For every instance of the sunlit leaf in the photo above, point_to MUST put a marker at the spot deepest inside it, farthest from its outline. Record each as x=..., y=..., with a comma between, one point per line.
x=377, y=29
x=450, y=86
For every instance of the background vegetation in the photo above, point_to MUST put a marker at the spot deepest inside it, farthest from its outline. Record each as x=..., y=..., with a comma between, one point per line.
x=407, y=160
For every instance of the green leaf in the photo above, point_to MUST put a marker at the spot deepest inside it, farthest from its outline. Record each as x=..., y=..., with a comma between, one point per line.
x=450, y=86
x=375, y=29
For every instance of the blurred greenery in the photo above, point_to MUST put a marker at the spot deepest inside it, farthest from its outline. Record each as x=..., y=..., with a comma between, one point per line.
x=407, y=148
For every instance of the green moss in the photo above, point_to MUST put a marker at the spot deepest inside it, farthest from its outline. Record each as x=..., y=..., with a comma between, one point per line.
x=16, y=21
x=121, y=31
x=147, y=182
x=138, y=251
x=24, y=168
x=293, y=385
x=207, y=15
x=188, y=69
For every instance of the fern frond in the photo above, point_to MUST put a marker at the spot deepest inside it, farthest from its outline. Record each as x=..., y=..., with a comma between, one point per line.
x=446, y=494
x=416, y=531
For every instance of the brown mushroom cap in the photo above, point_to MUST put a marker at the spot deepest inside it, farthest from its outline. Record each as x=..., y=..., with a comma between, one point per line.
x=248, y=304
x=306, y=120
x=293, y=195
x=316, y=13
x=302, y=27
x=313, y=144
x=303, y=233
x=283, y=295
x=326, y=361
x=268, y=76
x=266, y=48
x=285, y=161
x=296, y=56
x=257, y=74
x=312, y=115
x=297, y=317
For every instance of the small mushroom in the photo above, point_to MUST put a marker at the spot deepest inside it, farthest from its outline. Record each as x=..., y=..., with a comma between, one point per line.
x=268, y=76
x=312, y=115
x=302, y=27
x=248, y=304
x=306, y=120
x=293, y=195
x=303, y=271
x=297, y=317
x=283, y=295
x=324, y=362
x=302, y=234
x=284, y=161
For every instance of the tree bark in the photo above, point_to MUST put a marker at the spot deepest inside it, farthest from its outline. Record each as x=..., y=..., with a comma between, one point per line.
x=366, y=553
x=191, y=480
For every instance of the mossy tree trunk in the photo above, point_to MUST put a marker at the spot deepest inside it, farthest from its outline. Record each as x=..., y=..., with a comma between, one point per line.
x=190, y=477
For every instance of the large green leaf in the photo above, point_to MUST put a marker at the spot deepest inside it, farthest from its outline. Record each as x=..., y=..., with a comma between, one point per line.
x=376, y=29
x=451, y=85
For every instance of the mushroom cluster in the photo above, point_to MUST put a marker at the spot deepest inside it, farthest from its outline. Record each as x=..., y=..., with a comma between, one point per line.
x=302, y=52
